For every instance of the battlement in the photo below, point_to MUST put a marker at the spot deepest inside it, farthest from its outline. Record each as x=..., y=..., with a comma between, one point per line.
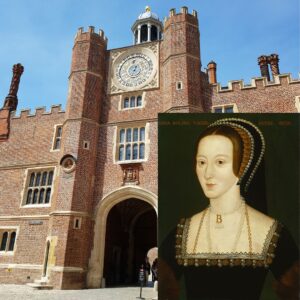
x=84, y=35
x=38, y=112
x=183, y=15
x=256, y=83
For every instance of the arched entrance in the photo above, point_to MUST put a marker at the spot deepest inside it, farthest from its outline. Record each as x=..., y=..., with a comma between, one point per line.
x=130, y=232
x=144, y=204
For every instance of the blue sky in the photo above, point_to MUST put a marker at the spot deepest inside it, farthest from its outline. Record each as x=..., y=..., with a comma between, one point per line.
x=40, y=35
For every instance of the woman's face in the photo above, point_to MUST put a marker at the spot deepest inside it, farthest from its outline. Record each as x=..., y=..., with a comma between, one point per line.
x=214, y=165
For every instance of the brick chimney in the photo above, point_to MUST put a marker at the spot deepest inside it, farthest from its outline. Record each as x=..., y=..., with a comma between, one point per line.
x=264, y=68
x=212, y=72
x=10, y=102
x=274, y=64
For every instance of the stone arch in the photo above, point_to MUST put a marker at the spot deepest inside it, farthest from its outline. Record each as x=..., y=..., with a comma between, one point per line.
x=96, y=263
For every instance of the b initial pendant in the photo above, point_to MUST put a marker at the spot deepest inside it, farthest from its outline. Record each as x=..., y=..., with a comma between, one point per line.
x=219, y=220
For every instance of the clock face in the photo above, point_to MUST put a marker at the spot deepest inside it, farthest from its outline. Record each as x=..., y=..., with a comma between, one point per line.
x=134, y=70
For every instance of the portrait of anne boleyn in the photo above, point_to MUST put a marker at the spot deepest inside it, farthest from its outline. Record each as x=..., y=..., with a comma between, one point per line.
x=227, y=248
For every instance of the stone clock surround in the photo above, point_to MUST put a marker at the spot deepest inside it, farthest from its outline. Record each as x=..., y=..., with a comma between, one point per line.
x=119, y=57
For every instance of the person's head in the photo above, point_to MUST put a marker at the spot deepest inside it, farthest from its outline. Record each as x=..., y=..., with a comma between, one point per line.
x=223, y=153
x=236, y=140
x=247, y=145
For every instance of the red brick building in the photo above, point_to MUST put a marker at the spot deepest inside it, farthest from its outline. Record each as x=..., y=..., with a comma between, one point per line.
x=78, y=189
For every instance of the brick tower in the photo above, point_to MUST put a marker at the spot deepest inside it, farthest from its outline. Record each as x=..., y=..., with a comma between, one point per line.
x=181, y=62
x=75, y=182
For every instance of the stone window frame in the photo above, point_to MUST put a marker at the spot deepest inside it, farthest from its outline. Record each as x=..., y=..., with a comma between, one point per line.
x=129, y=96
x=40, y=187
x=57, y=137
x=297, y=103
x=10, y=230
x=117, y=143
x=224, y=106
x=77, y=223
x=179, y=85
x=86, y=145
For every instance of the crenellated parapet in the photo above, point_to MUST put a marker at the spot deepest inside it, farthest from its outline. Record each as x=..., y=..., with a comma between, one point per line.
x=183, y=15
x=82, y=35
x=181, y=33
x=256, y=83
x=88, y=72
x=181, y=59
x=38, y=112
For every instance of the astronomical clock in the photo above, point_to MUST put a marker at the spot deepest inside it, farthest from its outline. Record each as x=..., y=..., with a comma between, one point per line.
x=134, y=68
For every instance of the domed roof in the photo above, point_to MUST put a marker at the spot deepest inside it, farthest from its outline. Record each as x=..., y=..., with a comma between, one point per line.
x=148, y=14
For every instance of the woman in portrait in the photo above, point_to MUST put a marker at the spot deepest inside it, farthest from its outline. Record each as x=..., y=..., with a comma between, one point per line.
x=226, y=250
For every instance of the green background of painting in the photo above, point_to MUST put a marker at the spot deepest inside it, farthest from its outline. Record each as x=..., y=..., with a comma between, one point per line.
x=180, y=194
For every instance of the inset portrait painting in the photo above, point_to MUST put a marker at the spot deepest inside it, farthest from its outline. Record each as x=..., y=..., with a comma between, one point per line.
x=228, y=206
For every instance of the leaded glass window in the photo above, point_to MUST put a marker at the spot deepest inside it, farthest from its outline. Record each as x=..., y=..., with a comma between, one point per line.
x=39, y=187
x=131, y=144
x=142, y=151
x=139, y=101
x=132, y=102
x=223, y=109
x=57, y=137
x=228, y=109
x=7, y=240
x=4, y=241
x=126, y=102
x=12, y=241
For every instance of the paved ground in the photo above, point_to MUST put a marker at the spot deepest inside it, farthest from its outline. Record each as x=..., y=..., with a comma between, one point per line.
x=23, y=292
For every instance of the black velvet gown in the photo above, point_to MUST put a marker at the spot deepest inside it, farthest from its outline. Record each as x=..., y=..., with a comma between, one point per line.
x=217, y=279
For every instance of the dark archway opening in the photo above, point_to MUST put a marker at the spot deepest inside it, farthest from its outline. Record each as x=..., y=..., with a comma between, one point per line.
x=153, y=33
x=144, y=33
x=131, y=230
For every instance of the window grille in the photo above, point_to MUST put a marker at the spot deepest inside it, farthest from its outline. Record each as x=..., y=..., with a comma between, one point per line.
x=8, y=239
x=224, y=109
x=132, y=102
x=38, y=190
x=131, y=144
x=57, y=137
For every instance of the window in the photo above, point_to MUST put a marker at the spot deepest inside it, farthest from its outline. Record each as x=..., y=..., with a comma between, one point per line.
x=179, y=85
x=218, y=110
x=57, y=137
x=144, y=33
x=38, y=187
x=86, y=145
x=132, y=102
x=231, y=108
x=77, y=223
x=131, y=144
x=228, y=109
x=7, y=240
x=153, y=33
